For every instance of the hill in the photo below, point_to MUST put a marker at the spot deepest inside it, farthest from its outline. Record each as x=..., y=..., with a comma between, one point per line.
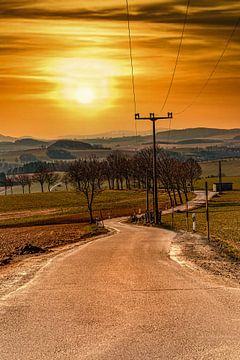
x=71, y=145
x=196, y=133
x=7, y=138
x=237, y=138
x=30, y=142
x=198, y=141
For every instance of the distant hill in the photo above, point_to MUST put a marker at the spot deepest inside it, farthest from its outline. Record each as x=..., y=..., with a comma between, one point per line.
x=195, y=133
x=30, y=142
x=237, y=138
x=71, y=145
x=198, y=141
x=7, y=138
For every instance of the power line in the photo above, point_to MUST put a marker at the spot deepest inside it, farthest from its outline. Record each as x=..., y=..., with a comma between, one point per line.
x=178, y=55
x=175, y=66
x=213, y=70
x=132, y=66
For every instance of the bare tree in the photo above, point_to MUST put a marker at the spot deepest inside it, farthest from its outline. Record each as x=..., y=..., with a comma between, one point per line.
x=87, y=181
x=22, y=180
x=66, y=180
x=29, y=180
x=9, y=182
x=51, y=179
x=75, y=173
x=194, y=171
x=41, y=175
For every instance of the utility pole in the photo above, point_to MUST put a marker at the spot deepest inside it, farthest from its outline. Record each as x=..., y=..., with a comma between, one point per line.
x=207, y=211
x=154, y=118
x=147, y=197
x=220, y=175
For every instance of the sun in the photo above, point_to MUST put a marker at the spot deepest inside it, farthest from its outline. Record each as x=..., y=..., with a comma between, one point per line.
x=82, y=83
x=85, y=95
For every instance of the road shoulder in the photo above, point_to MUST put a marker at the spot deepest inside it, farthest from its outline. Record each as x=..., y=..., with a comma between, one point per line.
x=194, y=251
x=18, y=274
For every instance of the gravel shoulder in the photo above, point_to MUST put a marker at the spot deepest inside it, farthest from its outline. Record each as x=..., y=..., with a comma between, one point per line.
x=196, y=252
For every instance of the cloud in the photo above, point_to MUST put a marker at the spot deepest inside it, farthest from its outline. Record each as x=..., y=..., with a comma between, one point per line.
x=15, y=87
x=201, y=12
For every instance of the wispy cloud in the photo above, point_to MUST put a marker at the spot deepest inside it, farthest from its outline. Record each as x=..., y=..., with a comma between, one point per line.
x=223, y=13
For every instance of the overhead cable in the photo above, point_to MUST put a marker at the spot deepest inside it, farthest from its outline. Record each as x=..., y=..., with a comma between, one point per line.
x=213, y=70
x=132, y=66
x=178, y=55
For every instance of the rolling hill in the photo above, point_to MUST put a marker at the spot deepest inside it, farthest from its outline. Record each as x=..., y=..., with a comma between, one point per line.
x=70, y=145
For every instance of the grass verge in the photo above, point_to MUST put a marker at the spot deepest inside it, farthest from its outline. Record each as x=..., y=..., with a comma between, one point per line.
x=224, y=222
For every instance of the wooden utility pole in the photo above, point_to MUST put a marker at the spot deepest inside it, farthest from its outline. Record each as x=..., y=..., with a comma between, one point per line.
x=207, y=211
x=147, y=197
x=220, y=175
x=154, y=118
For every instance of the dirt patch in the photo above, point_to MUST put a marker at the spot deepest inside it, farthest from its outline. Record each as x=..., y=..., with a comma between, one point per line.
x=22, y=269
x=195, y=250
x=24, y=214
x=36, y=239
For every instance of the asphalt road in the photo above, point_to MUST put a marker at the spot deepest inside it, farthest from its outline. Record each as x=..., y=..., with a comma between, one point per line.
x=121, y=297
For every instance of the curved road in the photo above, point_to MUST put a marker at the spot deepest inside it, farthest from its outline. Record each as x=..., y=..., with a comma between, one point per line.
x=121, y=297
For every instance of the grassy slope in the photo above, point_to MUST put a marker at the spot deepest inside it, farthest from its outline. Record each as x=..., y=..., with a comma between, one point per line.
x=229, y=168
x=71, y=207
x=200, y=184
x=224, y=222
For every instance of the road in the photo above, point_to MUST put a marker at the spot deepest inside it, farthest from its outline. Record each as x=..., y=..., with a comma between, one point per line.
x=198, y=201
x=121, y=297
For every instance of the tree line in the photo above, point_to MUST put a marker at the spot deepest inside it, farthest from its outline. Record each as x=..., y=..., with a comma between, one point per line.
x=175, y=176
x=117, y=172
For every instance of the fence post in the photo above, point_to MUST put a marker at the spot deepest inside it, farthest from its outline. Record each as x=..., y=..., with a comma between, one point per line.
x=172, y=217
x=187, y=222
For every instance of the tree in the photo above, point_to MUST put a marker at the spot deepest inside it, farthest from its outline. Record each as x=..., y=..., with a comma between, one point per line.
x=29, y=181
x=86, y=175
x=2, y=179
x=66, y=180
x=51, y=179
x=41, y=175
x=22, y=180
x=194, y=171
x=9, y=183
x=75, y=173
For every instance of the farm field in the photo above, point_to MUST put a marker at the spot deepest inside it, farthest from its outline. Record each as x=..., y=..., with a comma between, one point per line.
x=200, y=184
x=65, y=207
x=47, y=220
x=24, y=241
x=230, y=167
x=224, y=213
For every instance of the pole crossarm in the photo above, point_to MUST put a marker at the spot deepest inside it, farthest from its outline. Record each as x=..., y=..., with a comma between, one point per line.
x=152, y=117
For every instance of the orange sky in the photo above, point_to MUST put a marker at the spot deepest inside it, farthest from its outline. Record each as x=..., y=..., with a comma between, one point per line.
x=64, y=66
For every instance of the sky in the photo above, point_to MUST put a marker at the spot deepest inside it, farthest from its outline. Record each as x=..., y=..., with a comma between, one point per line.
x=65, y=65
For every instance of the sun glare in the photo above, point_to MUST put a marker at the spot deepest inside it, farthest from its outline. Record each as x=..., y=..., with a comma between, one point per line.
x=84, y=82
x=85, y=95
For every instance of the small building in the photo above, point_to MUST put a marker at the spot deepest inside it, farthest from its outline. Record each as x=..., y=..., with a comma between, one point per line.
x=222, y=186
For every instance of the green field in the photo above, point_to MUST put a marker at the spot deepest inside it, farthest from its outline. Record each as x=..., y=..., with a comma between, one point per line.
x=200, y=184
x=71, y=206
x=230, y=167
x=224, y=222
